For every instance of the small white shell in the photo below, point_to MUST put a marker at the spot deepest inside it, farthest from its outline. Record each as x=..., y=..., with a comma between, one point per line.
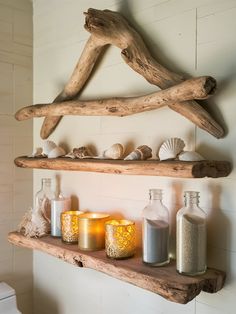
x=140, y=153
x=171, y=148
x=190, y=156
x=56, y=152
x=48, y=146
x=37, y=152
x=114, y=152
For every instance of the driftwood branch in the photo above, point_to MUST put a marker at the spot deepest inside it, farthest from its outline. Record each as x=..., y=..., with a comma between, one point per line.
x=107, y=27
x=80, y=75
x=111, y=28
x=196, y=88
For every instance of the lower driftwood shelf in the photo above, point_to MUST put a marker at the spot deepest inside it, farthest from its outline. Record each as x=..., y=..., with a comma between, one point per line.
x=180, y=169
x=161, y=280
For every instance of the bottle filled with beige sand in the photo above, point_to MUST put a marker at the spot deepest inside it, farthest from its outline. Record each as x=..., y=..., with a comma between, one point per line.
x=191, y=237
x=155, y=230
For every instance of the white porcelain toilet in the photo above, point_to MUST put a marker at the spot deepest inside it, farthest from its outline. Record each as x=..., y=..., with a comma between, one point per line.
x=7, y=300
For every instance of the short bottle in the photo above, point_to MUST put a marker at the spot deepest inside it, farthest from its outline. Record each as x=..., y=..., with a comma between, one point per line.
x=43, y=198
x=191, y=237
x=155, y=230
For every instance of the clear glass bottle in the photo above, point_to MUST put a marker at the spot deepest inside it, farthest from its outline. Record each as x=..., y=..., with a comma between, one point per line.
x=191, y=236
x=155, y=230
x=43, y=198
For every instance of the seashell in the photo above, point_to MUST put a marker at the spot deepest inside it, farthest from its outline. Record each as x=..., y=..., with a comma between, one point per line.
x=37, y=152
x=56, y=152
x=48, y=146
x=82, y=152
x=140, y=153
x=171, y=148
x=190, y=156
x=116, y=151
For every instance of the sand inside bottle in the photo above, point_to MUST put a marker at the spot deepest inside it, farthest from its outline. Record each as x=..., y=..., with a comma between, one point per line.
x=191, y=245
x=155, y=242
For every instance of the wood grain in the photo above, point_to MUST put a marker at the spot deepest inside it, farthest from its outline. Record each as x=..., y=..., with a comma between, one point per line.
x=196, y=88
x=179, y=169
x=161, y=280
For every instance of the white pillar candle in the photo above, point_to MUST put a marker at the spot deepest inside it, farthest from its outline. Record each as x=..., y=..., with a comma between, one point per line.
x=58, y=206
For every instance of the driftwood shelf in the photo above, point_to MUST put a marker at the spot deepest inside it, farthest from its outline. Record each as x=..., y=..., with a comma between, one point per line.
x=161, y=280
x=180, y=169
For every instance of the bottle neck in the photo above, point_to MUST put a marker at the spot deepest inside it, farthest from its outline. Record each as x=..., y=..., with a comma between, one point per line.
x=46, y=184
x=191, y=198
x=155, y=196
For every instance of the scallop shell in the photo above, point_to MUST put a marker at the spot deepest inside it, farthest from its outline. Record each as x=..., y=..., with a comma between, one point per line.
x=82, y=152
x=48, y=146
x=171, y=148
x=140, y=153
x=190, y=156
x=37, y=152
x=56, y=152
x=114, y=152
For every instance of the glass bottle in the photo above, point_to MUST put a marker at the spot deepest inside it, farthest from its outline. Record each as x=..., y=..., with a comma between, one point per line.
x=191, y=237
x=43, y=198
x=155, y=230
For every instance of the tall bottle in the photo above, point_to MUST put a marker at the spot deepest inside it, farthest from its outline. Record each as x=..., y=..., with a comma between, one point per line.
x=155, y=230
x=191, y=236
x=43, y=198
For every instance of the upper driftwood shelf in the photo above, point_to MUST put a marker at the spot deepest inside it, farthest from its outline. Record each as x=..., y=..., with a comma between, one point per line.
x=161, y=280
x=180, y=169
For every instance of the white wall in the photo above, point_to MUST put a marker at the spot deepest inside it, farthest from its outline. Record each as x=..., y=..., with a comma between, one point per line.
x=193, y=37
x=15, y=139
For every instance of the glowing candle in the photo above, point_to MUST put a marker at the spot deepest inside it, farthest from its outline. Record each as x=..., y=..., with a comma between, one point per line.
x=92, y=231
x=120, y=238
x=69, y=226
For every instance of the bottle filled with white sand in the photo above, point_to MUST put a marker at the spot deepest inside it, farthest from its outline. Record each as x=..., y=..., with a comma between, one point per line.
x=191, y=237
x=155, y=230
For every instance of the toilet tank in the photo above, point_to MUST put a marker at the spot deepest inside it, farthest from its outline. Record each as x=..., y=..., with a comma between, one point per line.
x=7, y=300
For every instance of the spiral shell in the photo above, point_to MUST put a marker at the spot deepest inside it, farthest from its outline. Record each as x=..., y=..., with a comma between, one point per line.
x=82, y=152
x=114, y=152
x=171, y=148
x=56, y=152
x=142, y=152
x=48, y=146
x=190, y=156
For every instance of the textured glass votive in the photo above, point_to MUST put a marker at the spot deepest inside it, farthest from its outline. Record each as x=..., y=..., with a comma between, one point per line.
x=69, y=226
x=120, y=238
x=92, y=231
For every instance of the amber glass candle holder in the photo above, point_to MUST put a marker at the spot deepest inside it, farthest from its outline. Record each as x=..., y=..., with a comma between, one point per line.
x=92, y=231
x=120, y=239
x=69, y=226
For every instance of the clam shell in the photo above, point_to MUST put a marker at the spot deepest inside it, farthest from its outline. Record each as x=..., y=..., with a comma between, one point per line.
x=190, y=156
x=114, y=152
x=56, y=152
x=48, y=146
x=142, y=152
x=37, y=152
x=171, y=148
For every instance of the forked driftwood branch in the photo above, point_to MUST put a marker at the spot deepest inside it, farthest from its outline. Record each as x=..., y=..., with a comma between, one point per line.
x=196, y=88
x=108, y=27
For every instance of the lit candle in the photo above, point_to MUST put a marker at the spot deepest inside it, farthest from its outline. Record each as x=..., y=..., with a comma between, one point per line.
x=120, y=238
x=92, y=231
x=69, y=226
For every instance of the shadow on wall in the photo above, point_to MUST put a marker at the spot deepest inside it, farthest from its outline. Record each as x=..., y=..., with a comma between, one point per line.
x=48, y=304
x=219, y=232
